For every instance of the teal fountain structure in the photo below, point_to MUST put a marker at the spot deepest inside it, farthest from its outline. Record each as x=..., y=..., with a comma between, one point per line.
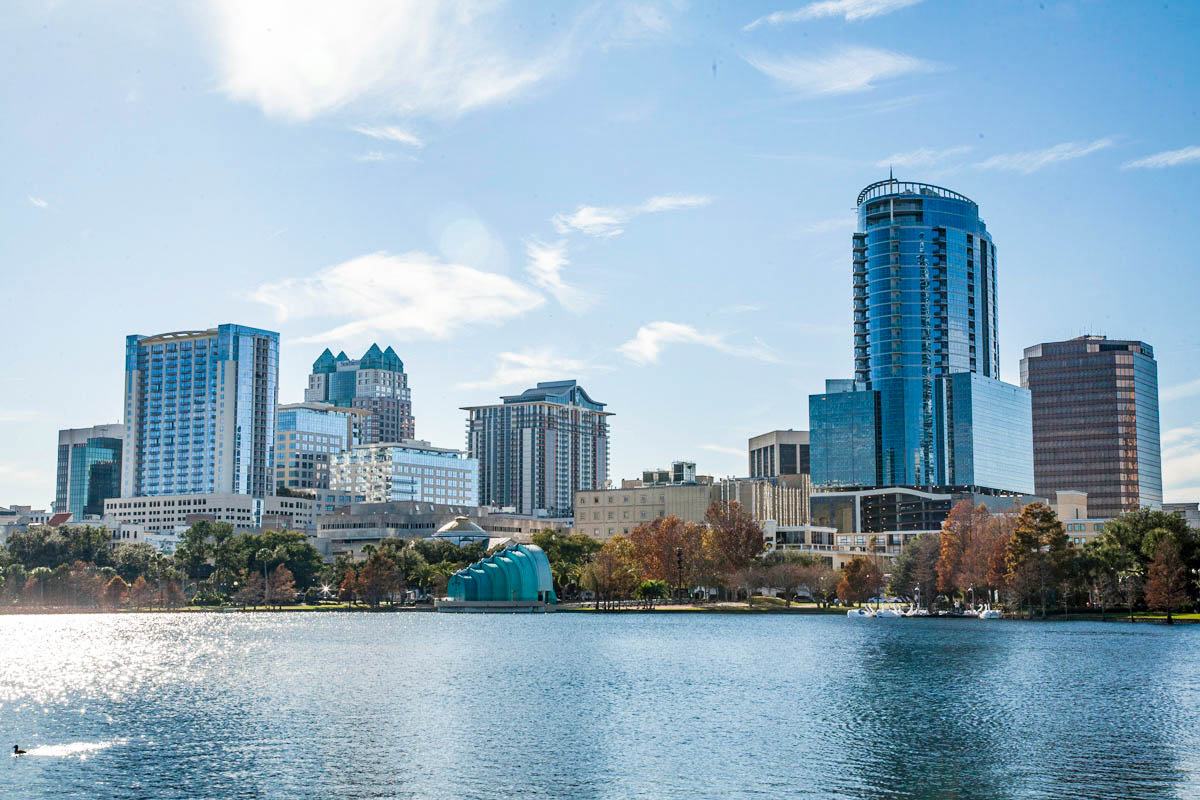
x=516, y=579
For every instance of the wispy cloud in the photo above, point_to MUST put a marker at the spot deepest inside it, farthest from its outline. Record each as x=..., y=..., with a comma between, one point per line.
x=851, y=69
x=609, y=221
x=390, y=133
x=720, y=448
x=1181, y=390
x=1181, y=462
x=38, y=202
x=374, y=155
x=297, y=59
x=923, y=157
x=19, y=415
x=740, y=308
x=851, y=10
x=545, y=267
x=1167, y=158
x=408, y=295
x=529, y=366
x=845, y=222
x=1033, y=160
x=652, y=338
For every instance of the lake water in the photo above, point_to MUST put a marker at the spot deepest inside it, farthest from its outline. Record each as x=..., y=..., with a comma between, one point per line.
x=572, y=705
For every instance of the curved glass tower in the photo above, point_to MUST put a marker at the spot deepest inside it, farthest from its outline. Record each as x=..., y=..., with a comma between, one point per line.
x=924, y=306
x=925, y=407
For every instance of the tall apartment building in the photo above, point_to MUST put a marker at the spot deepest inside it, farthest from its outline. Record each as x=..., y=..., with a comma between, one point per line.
x=779, y=453
x=925, y=406
x=403, y=471
x=89, y=469
x=538, y=448
x=307, y=435
x=375, y=383
x=1095, y=421
x=200, y=412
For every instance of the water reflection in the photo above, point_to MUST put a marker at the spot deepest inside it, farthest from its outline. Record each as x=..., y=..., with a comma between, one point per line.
x=422, y=705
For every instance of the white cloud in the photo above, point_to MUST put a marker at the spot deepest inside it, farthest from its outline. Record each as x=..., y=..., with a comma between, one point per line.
x=19, y=415
x=373, y=155
x=852, y=10
x=1033, y=160
x=38, y=202
x=720, y=448
x=634, y=23
x=922, y=157
x=851, y=69
x=389, y=133
x=409, y=295
x=608, y=221
x=546, y=263
x=1167, y=158
x=1181, y=463
x=652, y=338
x=1180, y=390
x=297, y=59
x=529, y=366
x=741, y=308
x=846, y=222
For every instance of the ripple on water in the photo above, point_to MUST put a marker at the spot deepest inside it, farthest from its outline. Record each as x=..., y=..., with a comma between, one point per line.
x=567, y=705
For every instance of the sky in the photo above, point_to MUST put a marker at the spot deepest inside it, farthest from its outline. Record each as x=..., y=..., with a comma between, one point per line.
x=654, y=198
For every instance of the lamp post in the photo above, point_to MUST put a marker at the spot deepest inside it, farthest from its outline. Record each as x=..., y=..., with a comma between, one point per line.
x=679, y=567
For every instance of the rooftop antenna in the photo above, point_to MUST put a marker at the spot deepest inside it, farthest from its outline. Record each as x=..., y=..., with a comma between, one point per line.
x=891, y=177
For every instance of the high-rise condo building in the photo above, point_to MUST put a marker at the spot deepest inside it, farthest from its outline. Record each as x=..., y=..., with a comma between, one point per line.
x=89, y=469
x=925, y=406
x=200, y=412
x=537, y=448
x=1095, y=421
x=307, y=436
x=375, y=383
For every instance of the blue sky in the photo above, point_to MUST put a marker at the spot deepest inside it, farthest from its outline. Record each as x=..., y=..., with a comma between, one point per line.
x=654, y=198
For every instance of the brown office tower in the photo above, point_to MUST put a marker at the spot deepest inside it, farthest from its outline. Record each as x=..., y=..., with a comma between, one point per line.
x=1095, y=421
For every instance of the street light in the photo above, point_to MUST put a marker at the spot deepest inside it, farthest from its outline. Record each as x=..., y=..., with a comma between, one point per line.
x=679, y=565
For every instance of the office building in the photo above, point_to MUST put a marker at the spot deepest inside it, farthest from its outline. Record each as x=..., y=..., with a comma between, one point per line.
x=400, y=471
x=89, y=469
x=170, y=513
x=307, y=435
x=1095, y=421
x=1189, y=511
x=784, y=500
x=375, y=383
x=200, y=412
x=538, y=448
x=779, y=453
x=679, y=472
x=924, y=298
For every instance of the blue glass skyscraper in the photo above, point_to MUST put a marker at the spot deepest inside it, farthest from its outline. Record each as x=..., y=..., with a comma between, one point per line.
x=924, y=293
x=200, y=412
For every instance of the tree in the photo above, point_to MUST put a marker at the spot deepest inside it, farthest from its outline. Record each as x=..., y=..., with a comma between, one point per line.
x=953, y=543
x=348, y=587
x=735, y=539
x=861, y=578
x=915, y=571
x=252, y=590
x=822, y=582
x=132, y=560
x=750, y=577
x=281, y=587
x=791, y=577
x=141, y=594
x=656, y=545
x=1167, y=578
x=611, y=573
x=1135, y=536
x=376, y=579
x=1037, y=551
x=115, y=592
x=651, y=590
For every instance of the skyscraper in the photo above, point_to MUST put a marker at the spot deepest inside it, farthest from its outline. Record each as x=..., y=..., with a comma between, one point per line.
x=537, y=448
x=1095, y=421
x=307, y=436
x=89, y=469
x=375, y=383
x=924, y=294
x=200, y=412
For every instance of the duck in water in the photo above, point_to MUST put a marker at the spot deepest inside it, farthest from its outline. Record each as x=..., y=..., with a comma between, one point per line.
x=17, y=751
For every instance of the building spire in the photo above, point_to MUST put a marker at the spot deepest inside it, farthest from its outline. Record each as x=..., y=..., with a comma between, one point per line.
x=891, y=177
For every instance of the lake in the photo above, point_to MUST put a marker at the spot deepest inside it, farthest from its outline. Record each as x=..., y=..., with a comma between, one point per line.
x=419, y=705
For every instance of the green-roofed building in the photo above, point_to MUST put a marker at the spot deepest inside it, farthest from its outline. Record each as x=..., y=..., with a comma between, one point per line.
x=375, y=383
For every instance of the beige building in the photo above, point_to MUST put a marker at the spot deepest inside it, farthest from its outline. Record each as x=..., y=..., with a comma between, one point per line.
x=1072, y=510
x=605, y=513
x=165, y=513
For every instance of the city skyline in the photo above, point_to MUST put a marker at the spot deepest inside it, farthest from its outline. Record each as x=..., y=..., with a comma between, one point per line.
x=619, y=248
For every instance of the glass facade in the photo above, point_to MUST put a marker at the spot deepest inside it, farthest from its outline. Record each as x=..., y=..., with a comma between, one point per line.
x=200, y=412
x=924, y=305
x=89, y=469
x=307, y=437
x=405, y=471
x=986, y=432
x=1095, y=421
x=375, y=383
